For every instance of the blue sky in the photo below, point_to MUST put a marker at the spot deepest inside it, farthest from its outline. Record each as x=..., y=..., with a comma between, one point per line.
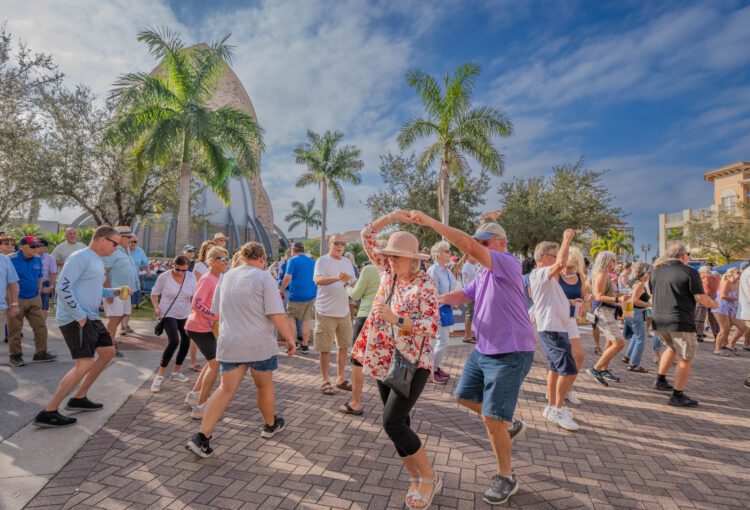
x=657, y=92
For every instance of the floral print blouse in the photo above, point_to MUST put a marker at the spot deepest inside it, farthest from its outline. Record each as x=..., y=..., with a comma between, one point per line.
x=416, y=300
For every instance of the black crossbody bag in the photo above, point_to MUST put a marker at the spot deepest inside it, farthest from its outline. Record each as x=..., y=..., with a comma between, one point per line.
x=159, y=326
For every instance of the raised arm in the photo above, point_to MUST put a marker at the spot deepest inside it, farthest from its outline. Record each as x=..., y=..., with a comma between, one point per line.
x=562, y=254
x=461, y=240
x=368, y=237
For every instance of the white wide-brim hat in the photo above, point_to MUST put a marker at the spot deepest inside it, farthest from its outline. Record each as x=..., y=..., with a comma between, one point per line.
x=402, y=244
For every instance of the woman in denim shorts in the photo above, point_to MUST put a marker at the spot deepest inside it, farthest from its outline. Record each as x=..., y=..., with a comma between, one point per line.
x=250, y=311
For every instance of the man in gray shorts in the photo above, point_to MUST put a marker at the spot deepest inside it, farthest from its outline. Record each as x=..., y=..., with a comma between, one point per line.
x=676, y=289
x=302, y=291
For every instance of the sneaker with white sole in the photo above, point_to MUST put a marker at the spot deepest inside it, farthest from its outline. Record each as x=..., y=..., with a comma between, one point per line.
x=546, y=411
x=197, y=412
x=198, y=444
x=564, y=419
x=268, y=431
x=192, y=398
x=179, y=377
x=157, y=384
x=572, y=397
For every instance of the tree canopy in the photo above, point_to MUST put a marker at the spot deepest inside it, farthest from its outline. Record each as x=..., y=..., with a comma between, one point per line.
x=720, y=232
x=536, y=209
x=405, y=186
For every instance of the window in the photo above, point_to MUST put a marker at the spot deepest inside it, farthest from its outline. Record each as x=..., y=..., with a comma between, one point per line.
x=728, y=200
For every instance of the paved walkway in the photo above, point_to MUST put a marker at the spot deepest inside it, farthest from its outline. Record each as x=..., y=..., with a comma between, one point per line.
x=633, y=450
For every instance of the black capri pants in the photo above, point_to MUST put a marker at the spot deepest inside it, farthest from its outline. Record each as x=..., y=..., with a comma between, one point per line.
x=176, y=336
x=206, y=343
x=396, y=421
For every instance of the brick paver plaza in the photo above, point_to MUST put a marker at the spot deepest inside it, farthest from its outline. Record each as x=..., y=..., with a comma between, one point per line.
x=633, y=451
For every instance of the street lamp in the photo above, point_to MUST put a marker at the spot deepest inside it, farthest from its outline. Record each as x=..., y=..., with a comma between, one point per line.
x=646, y=248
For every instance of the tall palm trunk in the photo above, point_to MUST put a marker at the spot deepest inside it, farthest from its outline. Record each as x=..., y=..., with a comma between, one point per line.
x=306, y=231
x=444, y=192
x=324, y=208
x=183, y=216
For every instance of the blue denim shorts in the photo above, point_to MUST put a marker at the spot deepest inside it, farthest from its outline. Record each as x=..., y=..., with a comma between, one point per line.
x=267, y=365
x=556, y=346
x=494, y=381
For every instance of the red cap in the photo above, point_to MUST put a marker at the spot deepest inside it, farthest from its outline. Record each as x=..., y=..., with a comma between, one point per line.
x=30, y=240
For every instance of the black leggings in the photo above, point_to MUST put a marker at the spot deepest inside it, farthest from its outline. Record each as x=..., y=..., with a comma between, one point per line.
x=396, y=420
x=176, y=335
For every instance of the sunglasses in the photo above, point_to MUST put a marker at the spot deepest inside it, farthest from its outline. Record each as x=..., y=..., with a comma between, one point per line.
x=35, y=245
x=339, y=243
x=223, y=259
x=114, y=243
x=133, y=241
x=180, y=270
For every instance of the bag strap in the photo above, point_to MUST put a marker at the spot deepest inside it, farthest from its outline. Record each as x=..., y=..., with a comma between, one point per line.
x=178, y=295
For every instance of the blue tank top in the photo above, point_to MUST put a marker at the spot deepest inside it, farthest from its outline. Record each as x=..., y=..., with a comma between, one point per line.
x=572, y=291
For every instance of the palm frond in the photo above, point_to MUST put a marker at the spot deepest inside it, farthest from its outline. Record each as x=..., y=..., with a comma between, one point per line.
x=415, y=129
x=428, y=90
x=486, y=119
x=459, y=89
x=428, y=156
x=337, y=191
x=308, y=178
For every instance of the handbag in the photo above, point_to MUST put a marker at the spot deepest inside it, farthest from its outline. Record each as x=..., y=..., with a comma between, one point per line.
x=446, y=316
x=401, y=371
x=159, y=326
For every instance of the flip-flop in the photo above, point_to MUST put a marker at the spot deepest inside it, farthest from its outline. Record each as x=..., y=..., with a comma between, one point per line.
x=722, y=353
x=327, y=389
x=638, y=369
x=346, y=385
x=195, y=368
x=348, y=409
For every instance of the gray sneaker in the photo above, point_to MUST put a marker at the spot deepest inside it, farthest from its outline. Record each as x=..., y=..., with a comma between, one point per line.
x=501, y=490
x=517, y=430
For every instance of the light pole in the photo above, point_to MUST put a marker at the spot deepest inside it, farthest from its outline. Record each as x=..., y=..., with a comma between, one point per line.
x=646, y=248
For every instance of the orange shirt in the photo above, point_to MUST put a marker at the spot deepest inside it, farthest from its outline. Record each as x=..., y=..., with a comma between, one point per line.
x=710, y=284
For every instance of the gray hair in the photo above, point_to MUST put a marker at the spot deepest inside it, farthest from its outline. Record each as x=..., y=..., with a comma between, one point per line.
x=602, y=261
x=575, y=258
x=640, y=269
x=544, y=248
x=104, y=231
x=438, y=247
x=676, y=250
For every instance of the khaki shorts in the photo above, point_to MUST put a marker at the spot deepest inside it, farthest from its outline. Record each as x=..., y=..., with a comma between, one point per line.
x=684, y=344
x=301, y=310
x=328, y=328
x=607, y=324
x=118, y=307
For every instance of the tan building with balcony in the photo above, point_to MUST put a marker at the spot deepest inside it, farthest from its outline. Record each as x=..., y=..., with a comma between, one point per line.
x=731, y=187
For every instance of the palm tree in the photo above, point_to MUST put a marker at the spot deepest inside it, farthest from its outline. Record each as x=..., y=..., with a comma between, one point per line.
x=304, y=214
x=456, y=128
x=615, y=241
x=165, y=116
x=328, y=166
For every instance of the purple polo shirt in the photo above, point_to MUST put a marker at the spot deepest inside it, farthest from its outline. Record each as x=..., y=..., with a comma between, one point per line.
x=501, y=320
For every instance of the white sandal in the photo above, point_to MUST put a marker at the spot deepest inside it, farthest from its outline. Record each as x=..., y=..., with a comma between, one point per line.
x=437, y=485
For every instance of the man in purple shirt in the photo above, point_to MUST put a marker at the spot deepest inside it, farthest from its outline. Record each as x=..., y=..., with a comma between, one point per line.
x=495, y=370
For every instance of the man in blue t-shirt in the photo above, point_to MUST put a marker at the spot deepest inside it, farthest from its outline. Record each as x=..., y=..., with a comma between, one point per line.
x=29, y=269
x=302, y=291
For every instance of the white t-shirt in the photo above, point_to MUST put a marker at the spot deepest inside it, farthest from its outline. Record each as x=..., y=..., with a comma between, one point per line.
x=167, y=289
x=64, y=250
x=244, y=298
x=332, y=300
x=744, y=299
x=201, y=267
x=551, y=306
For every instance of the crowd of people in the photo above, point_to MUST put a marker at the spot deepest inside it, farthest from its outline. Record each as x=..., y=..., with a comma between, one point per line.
x=391, y=319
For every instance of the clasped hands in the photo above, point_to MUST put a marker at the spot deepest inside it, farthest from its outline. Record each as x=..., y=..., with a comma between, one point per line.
x=416, y=217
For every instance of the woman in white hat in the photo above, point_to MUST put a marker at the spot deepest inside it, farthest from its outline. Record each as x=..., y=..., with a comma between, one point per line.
x=405, y=317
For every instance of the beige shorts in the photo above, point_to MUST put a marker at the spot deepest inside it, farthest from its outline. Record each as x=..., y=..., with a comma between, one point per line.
x=301, y=310
x=684, y=344
x=118, y=307
x=329, y=328
x=605, y=321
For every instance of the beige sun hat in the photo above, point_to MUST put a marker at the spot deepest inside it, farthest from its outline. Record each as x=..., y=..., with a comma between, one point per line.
x=402, y=244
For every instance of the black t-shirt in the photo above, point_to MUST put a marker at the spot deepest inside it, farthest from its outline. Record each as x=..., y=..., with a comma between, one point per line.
x=674, y=286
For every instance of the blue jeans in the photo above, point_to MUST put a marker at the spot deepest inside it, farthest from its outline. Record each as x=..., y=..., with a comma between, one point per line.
x=635, y=331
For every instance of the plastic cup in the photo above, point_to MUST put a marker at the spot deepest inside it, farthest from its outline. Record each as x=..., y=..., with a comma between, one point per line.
x=124, y=292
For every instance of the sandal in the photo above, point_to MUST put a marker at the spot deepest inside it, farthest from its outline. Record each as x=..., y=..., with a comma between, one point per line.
x=733, y=350
x=326, y=388
x=437, y=485
x=348, y=409
x=626, y=360
x=195, y=368
x=597, y=350
x=345, y=385
x=637, y=368
x=722, y=353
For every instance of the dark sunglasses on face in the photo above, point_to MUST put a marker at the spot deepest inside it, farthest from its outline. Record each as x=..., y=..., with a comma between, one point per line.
x=114, y=243
x=180, y=270
x=34, y=245
x=339, y=243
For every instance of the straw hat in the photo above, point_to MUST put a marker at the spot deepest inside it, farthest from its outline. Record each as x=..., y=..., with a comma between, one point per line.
x=402, y=244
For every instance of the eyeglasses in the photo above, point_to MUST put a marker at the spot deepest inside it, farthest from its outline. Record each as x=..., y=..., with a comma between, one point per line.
x=133, y=241
x=114, y=243
x=7, y=243
x=339, y=243
x=223, y=259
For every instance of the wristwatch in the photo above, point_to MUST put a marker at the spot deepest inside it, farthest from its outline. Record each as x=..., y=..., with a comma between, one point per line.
x=400, y=322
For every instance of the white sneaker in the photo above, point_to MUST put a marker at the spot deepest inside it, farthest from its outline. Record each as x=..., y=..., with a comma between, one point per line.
x=546, y=411
x=192, y=398
x=156, y=385
x=565, y=420
x=179, y=377
x=197, y=412
x=572, y=397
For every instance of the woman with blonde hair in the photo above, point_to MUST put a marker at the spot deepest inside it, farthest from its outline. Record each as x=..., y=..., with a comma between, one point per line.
x=726, y=314
x=573, y=283
x=250, y=312
x=201, y=267
x=404, y=317
x=605, y=305
x=201, y=326
x=635, y=326
x=445, y=282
